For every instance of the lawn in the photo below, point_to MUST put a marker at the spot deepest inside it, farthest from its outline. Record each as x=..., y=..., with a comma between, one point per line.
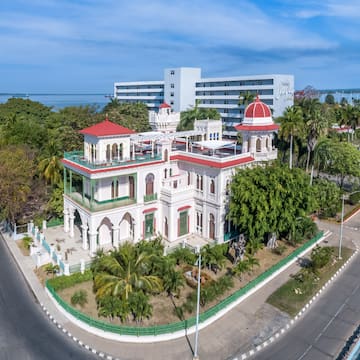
x=294, y=294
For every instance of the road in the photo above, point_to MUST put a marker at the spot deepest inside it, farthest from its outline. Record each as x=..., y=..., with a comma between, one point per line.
x=25, y=332
x=323, y=331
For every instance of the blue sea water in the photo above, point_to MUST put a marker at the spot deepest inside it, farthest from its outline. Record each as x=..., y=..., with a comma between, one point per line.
x=59, y=101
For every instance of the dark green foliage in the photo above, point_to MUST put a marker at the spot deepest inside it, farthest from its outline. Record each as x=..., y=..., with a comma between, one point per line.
x=269, y=200
x=327, y=197
x=210, y=291
x=79, y=298
x=279, y=250
x=214, y=257
x=183, y=256
x=321, y=256
x=132, y=116
x=354, y=198
x=63, y=282
x=139, y=306
x=304, y=229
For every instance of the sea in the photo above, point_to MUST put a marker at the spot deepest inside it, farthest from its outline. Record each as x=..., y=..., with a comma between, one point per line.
x=59, y=101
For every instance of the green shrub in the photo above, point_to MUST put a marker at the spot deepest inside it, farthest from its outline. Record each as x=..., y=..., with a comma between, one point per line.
x=354, y=198
x=63, y=282
x=321, y=256
x=27, y=241
x=79, y=298
x=279, y=250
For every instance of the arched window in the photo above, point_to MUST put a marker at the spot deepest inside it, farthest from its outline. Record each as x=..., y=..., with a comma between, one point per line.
x=198, y=181
x=188, y=178
x=170, y=172
x=121, y=152
x=258, y=145
x=165, y=173
x=149, y=182
x=267, y=143
x=212, y=186
x=108, y=152
x=166, y=155
x=211, y=226
x=201, y=182
x=114, y=151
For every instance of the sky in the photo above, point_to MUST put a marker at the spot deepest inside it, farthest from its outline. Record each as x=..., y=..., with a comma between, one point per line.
x=73, y=46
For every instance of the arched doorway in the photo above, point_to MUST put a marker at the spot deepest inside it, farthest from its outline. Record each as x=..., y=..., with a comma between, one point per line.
x=105, y=232
x=126, y=232
x=258, y=145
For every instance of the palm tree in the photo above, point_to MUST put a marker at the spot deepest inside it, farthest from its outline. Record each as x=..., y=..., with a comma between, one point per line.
x=139, y=306
x=124, y=271
x=316, y=124
x=291, y=125
x=173, y=280
x=252, y=261
x=245, y=98
x=240, y=268
x=51, y=166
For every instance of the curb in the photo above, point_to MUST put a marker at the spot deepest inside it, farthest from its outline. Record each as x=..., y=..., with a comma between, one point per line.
x=283, y=330
x=75, y=339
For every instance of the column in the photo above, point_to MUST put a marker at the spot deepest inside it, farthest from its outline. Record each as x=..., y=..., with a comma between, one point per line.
x=84, y=229
x=152, y=148
x=93, y=245
x=71, y=224
x=115, y=235
x=187, y=144
x=66, y=220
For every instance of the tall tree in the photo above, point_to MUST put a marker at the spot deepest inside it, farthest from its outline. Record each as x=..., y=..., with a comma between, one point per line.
x=17, y=170
x=315, y=124
x=291, y=125
x=246, y=97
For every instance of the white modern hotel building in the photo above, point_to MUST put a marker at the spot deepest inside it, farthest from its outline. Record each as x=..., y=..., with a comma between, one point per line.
x=181, y=87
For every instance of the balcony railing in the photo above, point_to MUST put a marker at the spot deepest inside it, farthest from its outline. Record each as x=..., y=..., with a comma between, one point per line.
x=78, y=158
x=100, y=205
x=151, y=197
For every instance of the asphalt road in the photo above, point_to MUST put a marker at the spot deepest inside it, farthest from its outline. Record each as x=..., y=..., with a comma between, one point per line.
x=25, y=331
x=323, y=331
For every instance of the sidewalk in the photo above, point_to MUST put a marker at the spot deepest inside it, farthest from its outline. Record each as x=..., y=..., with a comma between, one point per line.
x=247, y=325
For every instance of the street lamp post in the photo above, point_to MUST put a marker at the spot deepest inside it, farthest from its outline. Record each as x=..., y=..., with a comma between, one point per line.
x=196, y=356
x=341, y=225
x=342, y=221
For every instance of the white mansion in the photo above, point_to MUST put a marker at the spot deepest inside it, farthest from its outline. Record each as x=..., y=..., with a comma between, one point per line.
x=132, y=186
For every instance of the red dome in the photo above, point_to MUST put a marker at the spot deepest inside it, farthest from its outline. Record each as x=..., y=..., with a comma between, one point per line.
x=164, y=106
x=257, y=109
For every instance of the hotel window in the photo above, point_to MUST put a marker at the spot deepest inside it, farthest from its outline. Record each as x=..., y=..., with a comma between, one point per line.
x=172, y=72
x=171, y=94
x=171, y=103
x=172, y=85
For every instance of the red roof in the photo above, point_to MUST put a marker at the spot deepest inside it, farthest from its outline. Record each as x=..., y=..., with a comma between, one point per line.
x=106, y=128
x=257, y=109
x=164, y=106
x=271, y=127
x=211, y=163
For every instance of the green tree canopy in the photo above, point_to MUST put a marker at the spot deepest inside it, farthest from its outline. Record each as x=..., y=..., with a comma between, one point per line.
x=134, y=116
x=16, y=169
x=188, y=117
x=269, y=200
